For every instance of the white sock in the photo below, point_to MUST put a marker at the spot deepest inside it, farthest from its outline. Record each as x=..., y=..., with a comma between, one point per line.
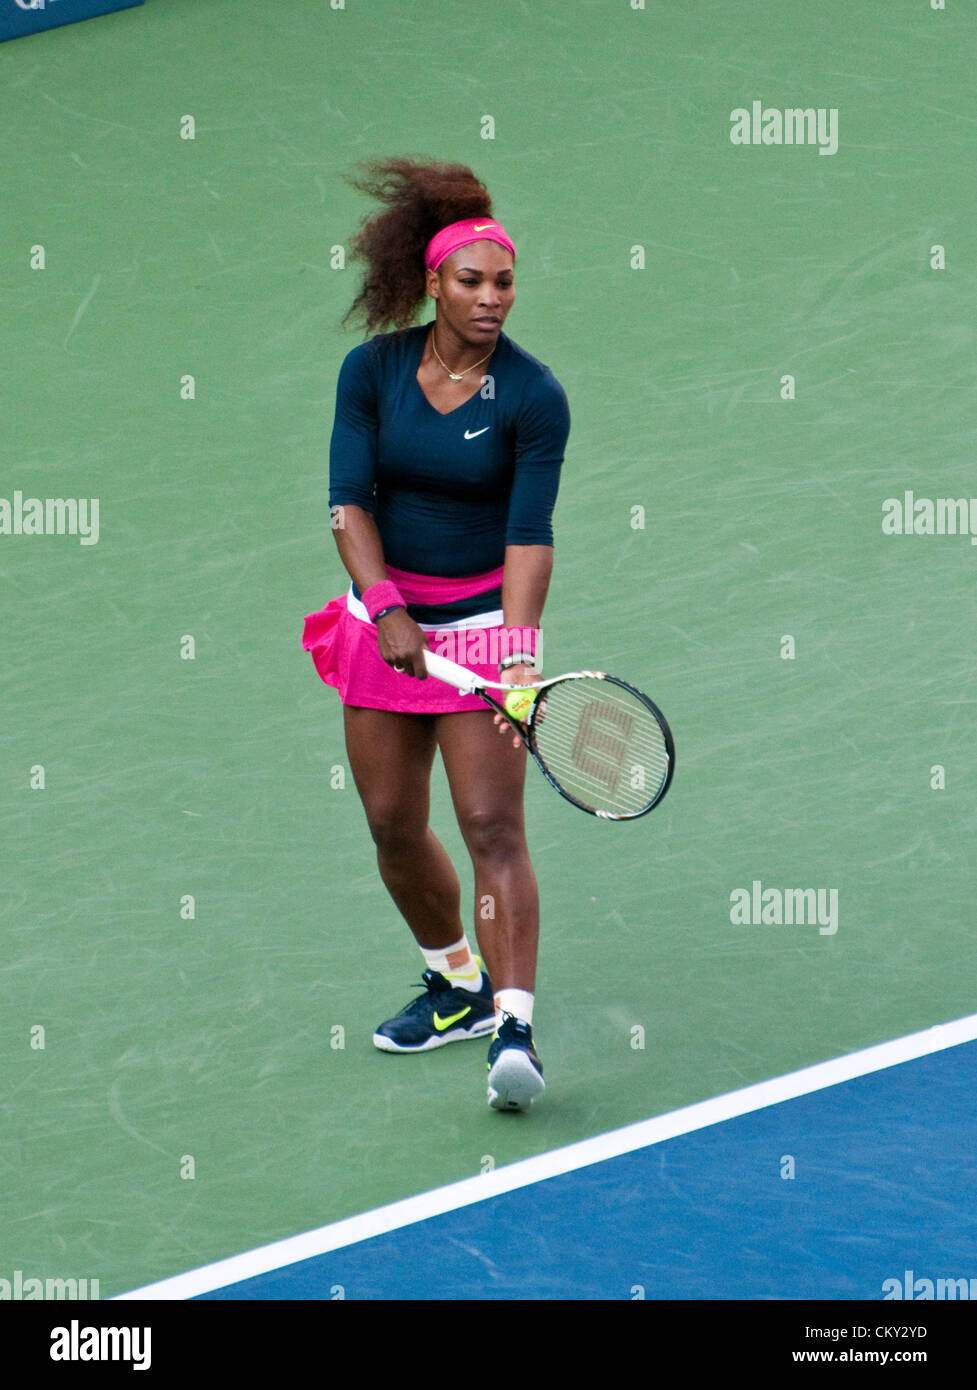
x=457, y=964
x=518, y=1002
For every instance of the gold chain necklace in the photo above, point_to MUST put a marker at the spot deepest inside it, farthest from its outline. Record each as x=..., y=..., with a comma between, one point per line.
x=455, y=376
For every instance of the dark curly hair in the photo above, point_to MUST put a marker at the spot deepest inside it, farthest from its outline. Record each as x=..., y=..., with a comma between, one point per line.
x=422, y=198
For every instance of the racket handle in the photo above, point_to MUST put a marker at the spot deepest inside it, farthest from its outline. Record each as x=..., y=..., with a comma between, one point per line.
x=451, y=673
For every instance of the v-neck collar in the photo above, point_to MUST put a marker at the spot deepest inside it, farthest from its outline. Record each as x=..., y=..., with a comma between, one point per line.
x=426, y=328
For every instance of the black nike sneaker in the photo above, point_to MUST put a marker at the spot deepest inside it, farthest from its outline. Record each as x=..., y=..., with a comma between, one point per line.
x=515, y=1073
x=443, y=1014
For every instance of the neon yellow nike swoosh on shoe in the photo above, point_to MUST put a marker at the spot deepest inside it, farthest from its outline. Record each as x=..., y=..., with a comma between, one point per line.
x=442, y=1023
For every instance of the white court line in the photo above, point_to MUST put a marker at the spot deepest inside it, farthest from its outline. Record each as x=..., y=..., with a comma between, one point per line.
x=530, y=1170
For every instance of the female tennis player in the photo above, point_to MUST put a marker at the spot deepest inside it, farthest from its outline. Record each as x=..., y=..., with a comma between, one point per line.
x=444, y=466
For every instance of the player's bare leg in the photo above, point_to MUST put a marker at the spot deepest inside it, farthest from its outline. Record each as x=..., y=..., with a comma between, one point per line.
x=390, y=756
x=487, y=776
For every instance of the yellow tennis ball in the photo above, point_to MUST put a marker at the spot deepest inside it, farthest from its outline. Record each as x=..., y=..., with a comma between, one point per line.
x=518, y=703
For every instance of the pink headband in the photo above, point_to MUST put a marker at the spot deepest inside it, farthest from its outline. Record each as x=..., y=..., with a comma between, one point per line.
x=458, y=234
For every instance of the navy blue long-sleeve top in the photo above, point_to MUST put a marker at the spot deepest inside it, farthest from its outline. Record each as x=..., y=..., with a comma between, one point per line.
x=448, y=492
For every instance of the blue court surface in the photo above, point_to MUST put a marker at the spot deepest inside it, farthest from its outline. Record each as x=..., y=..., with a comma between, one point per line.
x=859, y=1189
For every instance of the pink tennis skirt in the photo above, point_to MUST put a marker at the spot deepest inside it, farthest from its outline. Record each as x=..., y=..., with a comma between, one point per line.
x=343, y=645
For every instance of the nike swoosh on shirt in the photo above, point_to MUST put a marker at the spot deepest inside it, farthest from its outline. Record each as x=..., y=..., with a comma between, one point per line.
x=473, y=434
x=442, y=1023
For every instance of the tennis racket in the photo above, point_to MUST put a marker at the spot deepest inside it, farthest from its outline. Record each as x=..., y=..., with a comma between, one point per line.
x=600, y=742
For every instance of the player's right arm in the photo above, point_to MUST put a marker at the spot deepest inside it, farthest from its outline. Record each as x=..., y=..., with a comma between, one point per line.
x=352, y=502
x=399, y=639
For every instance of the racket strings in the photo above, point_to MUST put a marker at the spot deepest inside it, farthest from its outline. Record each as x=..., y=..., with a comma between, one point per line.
x=603, y=745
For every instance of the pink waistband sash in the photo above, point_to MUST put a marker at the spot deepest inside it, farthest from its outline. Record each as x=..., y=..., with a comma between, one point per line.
x=429, y=588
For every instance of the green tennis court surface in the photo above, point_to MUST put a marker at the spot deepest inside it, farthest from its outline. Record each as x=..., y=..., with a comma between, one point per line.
x=230, y=1037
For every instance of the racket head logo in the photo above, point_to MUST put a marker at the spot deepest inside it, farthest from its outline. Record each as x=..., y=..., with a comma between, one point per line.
x=601, y=744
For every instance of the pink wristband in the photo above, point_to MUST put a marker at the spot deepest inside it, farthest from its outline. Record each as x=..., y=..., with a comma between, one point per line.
x=380, y=596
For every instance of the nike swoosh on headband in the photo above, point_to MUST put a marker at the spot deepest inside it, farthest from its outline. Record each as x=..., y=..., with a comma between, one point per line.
x=484, y=225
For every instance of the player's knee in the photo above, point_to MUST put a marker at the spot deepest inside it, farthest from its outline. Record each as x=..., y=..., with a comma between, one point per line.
x=395, y=830
x=493, y=834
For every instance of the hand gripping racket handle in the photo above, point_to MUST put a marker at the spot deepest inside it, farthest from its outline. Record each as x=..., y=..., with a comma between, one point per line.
x=452, y=674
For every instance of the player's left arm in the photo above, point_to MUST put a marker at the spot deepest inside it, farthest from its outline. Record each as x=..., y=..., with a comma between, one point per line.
x=542, y=426
x=525, y=583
